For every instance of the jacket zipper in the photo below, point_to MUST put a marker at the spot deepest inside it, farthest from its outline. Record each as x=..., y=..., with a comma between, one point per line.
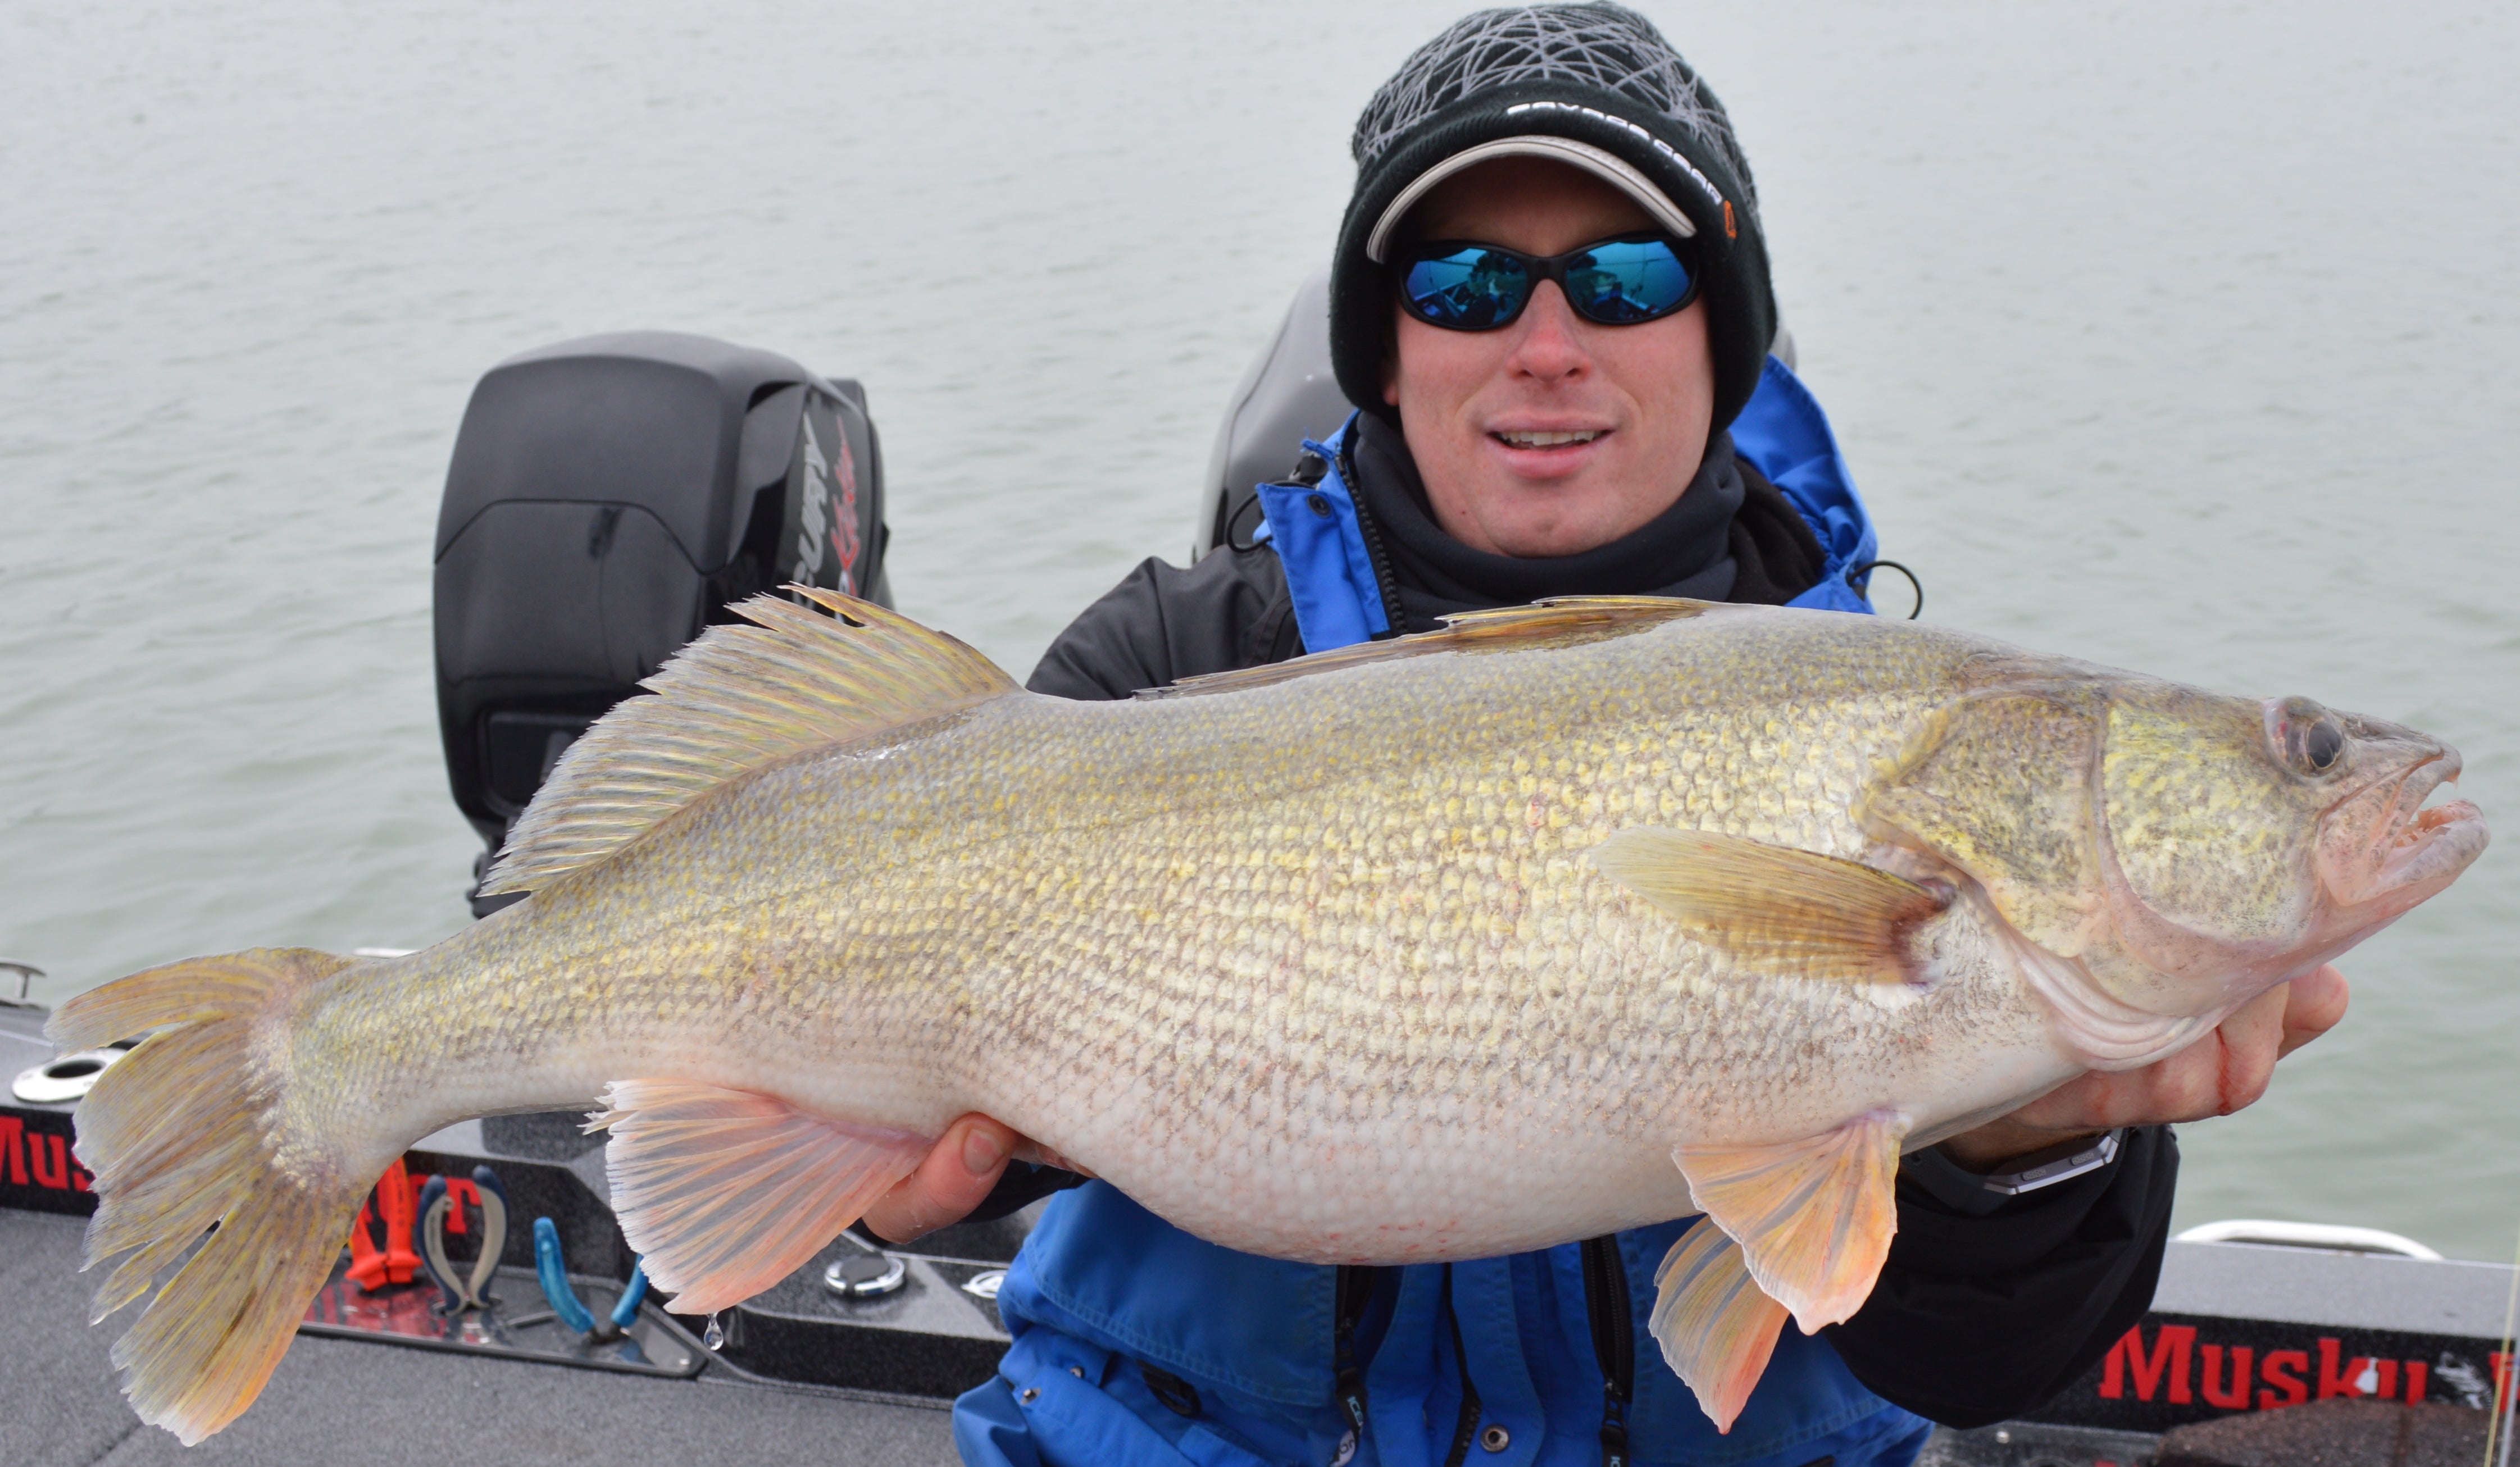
x=1383, y=583
x=1355, y=1292
x=1615, y=1342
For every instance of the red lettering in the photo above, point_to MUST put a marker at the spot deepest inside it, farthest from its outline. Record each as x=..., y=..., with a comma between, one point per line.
x=2169, y=1356
x=2295, y=1389
x=57, y=1177
x=2349, y=1380
x=13, y=1130
x=459, y=1191
x=2236, y=1398
x=80, y=1177
x=2418, y=1380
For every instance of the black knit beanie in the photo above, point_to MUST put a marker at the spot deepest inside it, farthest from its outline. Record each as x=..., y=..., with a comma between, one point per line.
x=1596, y=74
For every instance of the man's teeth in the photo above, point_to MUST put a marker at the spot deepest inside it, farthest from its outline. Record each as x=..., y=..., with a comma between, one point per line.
x=1549, y=440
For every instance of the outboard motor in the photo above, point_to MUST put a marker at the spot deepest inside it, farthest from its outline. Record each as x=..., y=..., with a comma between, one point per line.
x=608, y=499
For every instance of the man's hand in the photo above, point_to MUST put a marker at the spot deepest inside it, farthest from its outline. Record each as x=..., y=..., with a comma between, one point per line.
x=2216, y=1076
x=958, y=1175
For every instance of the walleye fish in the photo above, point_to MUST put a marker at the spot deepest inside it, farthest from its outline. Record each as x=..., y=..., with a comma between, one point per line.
x=1564, y=919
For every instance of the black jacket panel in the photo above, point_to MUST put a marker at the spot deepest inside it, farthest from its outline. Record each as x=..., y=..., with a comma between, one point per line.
x=1162, y=623
x=1979, y=1318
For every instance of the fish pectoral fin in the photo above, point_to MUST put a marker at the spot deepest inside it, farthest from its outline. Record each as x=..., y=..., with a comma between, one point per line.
x=725, y=1193
x=1714, y=1324
x=1774, y=910
x=1814, y=1217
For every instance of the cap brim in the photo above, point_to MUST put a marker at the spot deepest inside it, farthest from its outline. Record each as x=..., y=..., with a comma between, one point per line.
x=1602, y=164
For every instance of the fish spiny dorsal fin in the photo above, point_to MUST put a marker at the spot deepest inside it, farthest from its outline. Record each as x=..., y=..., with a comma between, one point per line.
x=1559, y=621
x=736, y=699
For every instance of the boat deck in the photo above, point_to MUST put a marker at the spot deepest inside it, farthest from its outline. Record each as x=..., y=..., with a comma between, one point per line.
x=351, y=1404
x=805, y=1377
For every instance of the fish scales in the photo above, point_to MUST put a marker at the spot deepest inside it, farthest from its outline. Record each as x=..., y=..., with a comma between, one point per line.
x=1564, y=920
x=1220, y=942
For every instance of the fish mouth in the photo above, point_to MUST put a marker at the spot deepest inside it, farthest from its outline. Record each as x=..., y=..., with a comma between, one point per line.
x=2415, y=848
x=2437, y=841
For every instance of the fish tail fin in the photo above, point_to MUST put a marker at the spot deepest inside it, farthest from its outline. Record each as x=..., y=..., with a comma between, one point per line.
x=183, y=1136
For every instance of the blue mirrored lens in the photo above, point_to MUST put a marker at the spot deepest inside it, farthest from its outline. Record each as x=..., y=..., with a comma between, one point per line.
x=1469, y=289
x=1625, y=281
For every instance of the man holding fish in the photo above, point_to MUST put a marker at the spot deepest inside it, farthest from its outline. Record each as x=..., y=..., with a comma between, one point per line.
x=1552, y=350
x=1432, y=1009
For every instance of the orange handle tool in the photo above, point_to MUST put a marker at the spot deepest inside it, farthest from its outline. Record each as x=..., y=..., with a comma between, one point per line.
x=394, y=1205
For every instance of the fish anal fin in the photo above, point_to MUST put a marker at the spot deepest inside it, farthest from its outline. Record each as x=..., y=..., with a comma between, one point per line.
x=1814, y=1217
x=1774, y=910
x=736, y=699
x=1559, y=621
x=1716, y=1328
x=726, y=1192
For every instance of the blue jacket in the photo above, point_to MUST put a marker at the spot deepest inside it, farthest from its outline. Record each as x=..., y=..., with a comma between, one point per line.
x=1137, y=1344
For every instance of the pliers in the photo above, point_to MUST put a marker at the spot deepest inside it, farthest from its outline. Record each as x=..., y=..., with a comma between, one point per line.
x=429, y=1235
x=552, y=1271
x=372, y=1266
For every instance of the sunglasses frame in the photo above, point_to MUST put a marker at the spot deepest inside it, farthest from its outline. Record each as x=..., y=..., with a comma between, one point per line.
x=1543, y=268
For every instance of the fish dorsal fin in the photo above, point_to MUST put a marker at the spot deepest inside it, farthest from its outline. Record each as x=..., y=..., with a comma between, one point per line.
x=1774, y=910
x=1814, y=1217
x=736, y=699
x=1559, y=621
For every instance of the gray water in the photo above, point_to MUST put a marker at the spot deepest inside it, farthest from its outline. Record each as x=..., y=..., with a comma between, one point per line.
x=2173, y=336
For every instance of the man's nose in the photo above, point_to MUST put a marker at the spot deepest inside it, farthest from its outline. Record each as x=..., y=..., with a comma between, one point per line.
x=1548, y=340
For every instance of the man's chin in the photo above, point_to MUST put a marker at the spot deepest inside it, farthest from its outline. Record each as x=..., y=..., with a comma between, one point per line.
x=1549, y=539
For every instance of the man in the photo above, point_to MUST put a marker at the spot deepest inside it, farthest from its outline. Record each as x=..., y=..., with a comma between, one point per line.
x=1551, y=292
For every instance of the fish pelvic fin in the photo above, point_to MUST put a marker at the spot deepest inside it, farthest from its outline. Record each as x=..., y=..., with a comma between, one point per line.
x=1774, y=911
x=1716, y=1328
x=180, y=1138
x=1814, y=1217
x=736, y=699
x=726, y=1192
x=1559, y=621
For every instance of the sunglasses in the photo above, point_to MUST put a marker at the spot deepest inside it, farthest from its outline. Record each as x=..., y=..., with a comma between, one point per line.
x=1463, y=286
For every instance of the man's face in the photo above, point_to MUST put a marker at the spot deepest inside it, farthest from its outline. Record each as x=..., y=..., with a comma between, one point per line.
x=1639, y=398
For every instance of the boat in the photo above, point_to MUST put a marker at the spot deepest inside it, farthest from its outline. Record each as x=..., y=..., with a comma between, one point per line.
x=606, y=499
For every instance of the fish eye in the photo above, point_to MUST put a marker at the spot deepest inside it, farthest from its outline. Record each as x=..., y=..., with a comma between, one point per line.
x=2306, y=736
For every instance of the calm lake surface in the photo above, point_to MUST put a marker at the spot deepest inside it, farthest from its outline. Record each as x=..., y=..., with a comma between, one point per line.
x=2174, y=336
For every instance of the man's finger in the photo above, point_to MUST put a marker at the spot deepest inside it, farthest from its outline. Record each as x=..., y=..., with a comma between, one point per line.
x=2247, y=1046
x=2315, y=1003
x=955, y=1177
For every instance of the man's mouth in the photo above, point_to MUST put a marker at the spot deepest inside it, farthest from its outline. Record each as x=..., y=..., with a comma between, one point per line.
x=1522, y=439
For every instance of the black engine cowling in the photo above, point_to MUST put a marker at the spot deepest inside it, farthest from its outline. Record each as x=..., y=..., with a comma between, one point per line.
x=608, y=498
